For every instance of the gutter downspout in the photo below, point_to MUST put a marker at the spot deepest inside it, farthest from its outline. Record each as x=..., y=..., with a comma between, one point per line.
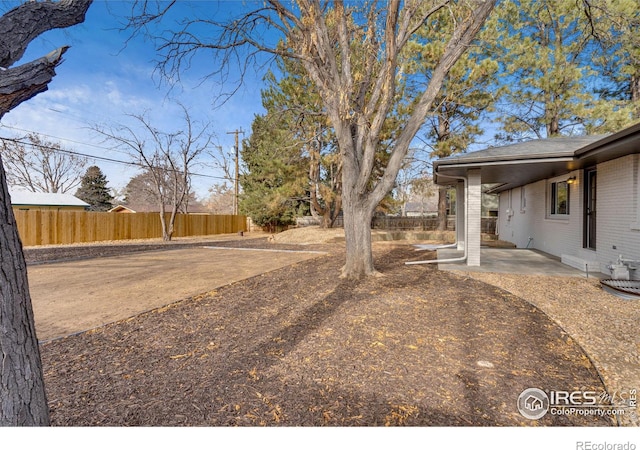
x=466, y=230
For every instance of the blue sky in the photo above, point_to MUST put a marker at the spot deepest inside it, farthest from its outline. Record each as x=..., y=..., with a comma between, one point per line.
x=102, y=79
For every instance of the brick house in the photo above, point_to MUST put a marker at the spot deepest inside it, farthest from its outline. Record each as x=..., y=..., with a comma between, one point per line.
x=577, y=198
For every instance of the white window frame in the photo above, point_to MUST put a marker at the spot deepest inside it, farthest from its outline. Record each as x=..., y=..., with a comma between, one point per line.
x=552, y=201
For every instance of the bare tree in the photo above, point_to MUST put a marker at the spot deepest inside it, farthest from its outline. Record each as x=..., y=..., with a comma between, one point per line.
x=168, y=158
x=352, y=54
x=40, y=165
x=221, y=199
x=23, y=400
x=141, y=192
x=410, y=175
x=223, y=161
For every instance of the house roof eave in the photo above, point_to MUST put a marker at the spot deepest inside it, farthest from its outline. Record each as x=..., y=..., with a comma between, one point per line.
x=550, y=158
x=622, y=143
x=507, y=174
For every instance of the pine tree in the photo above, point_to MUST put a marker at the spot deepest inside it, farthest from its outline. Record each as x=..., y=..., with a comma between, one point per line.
x=295, y=101
x=466, y=97
x=546, y=49
x=93, y=190
x=615, y=27
x=275, y=187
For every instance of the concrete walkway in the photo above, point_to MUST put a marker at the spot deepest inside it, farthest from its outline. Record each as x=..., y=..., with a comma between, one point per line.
x=512, y=260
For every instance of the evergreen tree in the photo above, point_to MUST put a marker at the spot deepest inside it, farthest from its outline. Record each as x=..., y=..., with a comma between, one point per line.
x=275, y=186
x=615, y=26
x=294, y=98
x=554, y=72
x=466, y=96
x=93, y=190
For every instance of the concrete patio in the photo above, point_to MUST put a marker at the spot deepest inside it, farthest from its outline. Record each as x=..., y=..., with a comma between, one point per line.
x=512, y=260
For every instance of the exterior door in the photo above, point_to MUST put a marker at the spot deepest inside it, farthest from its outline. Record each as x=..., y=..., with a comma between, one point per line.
x=590, y=176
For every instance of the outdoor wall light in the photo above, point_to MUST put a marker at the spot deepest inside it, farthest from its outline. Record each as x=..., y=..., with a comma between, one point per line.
x=571, y=180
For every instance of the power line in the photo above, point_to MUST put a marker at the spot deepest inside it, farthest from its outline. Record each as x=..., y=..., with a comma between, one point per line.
x=85, y=144
x=100, y=158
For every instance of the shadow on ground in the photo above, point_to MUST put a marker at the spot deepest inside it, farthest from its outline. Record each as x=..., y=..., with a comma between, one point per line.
x=299, y=347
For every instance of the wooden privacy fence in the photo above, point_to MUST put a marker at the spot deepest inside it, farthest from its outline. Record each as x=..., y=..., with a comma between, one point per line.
x=68, y=227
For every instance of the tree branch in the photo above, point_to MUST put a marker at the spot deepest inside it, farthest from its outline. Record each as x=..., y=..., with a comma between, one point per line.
x=19, y=27
x=463, y=35
x=19, y=84
x=26, y=22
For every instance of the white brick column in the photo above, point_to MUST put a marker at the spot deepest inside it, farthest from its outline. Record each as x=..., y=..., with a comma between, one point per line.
x=461, y=213
x=474, y=213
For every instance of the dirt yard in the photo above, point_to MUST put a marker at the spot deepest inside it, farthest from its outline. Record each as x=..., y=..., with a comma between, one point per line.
x=79, y=295
x=297, y=346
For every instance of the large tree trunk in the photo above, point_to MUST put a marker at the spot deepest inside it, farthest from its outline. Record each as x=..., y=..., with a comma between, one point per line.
x=22, y=395
x=357, y=233
x=23, y=400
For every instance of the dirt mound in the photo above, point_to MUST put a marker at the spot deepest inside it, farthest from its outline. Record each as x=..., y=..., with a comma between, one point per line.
x=317, y=235
x=308, y=235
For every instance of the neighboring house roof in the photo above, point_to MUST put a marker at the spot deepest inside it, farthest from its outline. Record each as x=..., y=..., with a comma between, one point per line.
x=142, y=208
x=523, y=163
x=121, y=208
x=25, y=198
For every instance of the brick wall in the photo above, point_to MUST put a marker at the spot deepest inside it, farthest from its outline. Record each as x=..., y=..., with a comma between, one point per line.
x=618, y=227
x=618, y=215
x=525, y=215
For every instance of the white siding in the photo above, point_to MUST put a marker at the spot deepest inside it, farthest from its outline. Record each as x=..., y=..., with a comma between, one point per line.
x=461, y=214
x=618, y=216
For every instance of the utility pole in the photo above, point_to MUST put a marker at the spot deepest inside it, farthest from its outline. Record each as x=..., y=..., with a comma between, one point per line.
x=235, y=196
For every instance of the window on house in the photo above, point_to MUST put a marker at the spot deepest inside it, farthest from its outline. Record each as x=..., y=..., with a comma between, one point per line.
x=559, y=199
